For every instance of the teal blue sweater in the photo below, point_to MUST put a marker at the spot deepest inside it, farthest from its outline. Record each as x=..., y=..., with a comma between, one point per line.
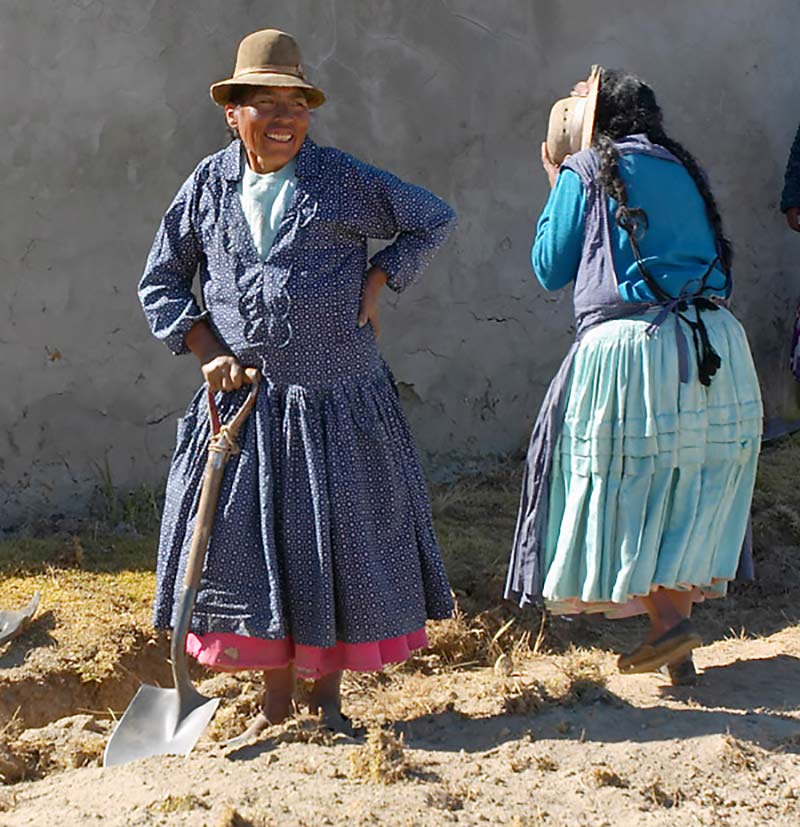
x=677, y=246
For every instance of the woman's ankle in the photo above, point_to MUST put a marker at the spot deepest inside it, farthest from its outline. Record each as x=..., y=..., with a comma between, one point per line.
x=326, y=694
x=278, y=702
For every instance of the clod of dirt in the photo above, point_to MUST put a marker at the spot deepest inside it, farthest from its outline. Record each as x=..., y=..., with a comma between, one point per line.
x=655, y=795
x=449, y=797
x=242, y=702
x=605, y=777
x=544, y=763
x=12, y=767
x=77, y=741
x=524, y=698
x=456, y=640
x=231, y=817
x=503, y=666
x=305, y=729
x=8, y=801
x=739, y=755
x=381, y=760
x=178, y=804
x=585, y=681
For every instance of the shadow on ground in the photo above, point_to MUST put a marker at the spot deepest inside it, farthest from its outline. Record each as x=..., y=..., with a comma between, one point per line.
x=713, y=708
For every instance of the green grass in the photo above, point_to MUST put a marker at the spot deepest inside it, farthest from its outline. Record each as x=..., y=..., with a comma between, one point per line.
x=88, y=550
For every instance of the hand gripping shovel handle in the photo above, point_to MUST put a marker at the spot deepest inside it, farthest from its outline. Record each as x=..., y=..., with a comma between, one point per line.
x=220, y=448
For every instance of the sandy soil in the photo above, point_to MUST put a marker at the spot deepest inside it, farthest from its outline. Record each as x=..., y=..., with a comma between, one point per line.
x=550, y=740
x=502, y=722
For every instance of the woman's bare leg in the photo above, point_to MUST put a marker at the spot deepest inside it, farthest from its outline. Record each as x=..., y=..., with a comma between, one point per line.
x=326, y=694
x=279, y=694
x=276, y=707
x=326, y=700
x=682, y=601
x=666, y=608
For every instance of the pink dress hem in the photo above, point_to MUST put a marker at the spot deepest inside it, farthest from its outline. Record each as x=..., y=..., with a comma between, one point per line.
x=227, y=652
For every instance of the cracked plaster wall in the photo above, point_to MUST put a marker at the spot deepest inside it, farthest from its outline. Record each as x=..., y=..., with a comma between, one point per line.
x=106, y=111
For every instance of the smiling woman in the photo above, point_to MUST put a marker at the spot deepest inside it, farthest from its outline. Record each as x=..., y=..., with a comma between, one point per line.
x=323, y=555
x=271, y=122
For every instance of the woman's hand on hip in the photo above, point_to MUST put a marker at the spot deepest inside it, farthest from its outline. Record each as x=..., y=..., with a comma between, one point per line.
x=368, y=312
x=793, y=218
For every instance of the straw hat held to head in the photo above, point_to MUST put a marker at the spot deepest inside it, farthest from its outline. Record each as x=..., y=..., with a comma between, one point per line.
x=571, y=123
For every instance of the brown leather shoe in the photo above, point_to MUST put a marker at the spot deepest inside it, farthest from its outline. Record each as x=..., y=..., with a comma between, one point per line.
x=672, y=646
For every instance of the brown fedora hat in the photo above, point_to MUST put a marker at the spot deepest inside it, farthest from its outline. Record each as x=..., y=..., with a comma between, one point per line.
x=571, y=123
x=268, y=58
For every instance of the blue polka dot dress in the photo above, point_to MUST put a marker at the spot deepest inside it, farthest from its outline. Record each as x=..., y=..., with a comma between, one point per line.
x=323, y=538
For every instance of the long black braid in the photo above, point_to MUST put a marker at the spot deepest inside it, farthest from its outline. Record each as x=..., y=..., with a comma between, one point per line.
x=626, y=105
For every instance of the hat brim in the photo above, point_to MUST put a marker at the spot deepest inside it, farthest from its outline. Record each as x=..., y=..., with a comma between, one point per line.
x=221, y=91
x=590, y=109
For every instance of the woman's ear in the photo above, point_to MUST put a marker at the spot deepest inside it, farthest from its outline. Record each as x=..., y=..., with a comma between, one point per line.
x=231, y=116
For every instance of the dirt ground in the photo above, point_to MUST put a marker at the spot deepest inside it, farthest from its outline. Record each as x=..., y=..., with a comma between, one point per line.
x=509, y=718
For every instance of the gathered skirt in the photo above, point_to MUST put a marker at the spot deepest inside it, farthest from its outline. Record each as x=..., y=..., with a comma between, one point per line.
x=322, y=550
x=652, y=479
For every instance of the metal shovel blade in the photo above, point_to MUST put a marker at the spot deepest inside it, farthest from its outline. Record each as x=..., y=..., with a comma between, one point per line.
x=14, y=623
x=170, y=721
x=159, y=722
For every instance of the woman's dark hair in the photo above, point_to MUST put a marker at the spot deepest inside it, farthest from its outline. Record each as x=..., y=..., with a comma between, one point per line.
x=626, y=105
x=237, y=95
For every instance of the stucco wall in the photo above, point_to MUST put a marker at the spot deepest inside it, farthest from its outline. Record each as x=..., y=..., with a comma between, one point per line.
x=106, y=111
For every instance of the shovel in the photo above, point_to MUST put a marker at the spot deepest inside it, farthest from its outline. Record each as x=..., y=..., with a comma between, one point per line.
x=15, y=623
x=169, y=721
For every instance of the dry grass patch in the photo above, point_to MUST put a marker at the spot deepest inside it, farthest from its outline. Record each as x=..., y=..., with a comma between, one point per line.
x=544, y=763
x=525, y=697
x=584, y=680
x=606, y=777
x=405, y=697
x=381, y=760
x=776, y=537
x=97, y=594
x=178, y=804
x=739, y=755
x=580, y=679
x=456, y=641
x=232, y=817
x=655, y=795
x=451, y=797
x=242, y=702
x=8, y=801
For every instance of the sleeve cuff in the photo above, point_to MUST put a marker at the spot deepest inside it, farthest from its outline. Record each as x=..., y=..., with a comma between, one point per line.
x=398, y=280
x=175, y=338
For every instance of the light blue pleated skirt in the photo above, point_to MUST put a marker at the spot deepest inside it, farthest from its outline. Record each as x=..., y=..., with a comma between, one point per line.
x=652, y=479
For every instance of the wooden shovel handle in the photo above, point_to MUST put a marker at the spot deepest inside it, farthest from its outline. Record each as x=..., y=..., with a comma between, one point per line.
x=251, y=377
x=220, y=447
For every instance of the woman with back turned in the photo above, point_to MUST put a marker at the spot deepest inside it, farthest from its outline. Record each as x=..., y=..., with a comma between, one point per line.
x=642, y=462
